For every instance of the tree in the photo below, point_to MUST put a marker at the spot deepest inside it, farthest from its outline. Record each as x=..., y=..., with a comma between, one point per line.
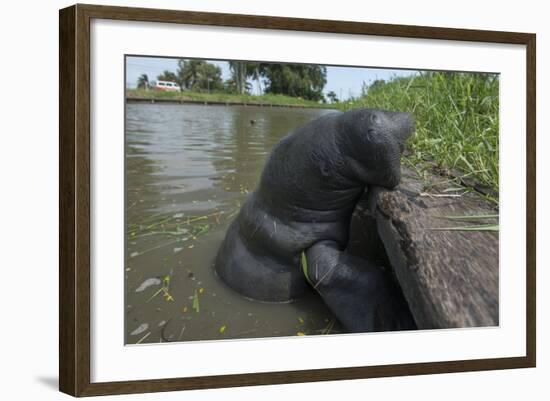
x=240, y=72
x=256, y=73
x=238, y=75
x=143, y=82
x=187, y=72
x=305, y=81
x=198, y=75
x=332, y=97
x=210, y=78
x=168, y=76
x=231, y=86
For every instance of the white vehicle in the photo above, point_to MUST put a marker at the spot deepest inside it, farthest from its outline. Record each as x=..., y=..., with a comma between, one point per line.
x=167, y=86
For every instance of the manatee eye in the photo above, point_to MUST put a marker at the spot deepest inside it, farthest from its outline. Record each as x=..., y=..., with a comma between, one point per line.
x=374, y=118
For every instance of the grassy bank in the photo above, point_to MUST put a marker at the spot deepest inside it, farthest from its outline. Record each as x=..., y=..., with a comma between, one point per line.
x=456, y=120
x=264, y=100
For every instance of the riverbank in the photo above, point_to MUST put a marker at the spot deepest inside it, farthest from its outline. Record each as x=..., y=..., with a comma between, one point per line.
x=267, y=100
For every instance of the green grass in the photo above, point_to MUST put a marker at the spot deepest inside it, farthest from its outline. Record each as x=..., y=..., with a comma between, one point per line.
x=456, y=118
x=266, y=99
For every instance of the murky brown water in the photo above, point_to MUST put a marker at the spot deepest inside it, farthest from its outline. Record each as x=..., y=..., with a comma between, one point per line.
x=188, y=170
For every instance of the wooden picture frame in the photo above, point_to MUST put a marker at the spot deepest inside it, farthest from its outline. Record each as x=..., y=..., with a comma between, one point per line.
x=74, y=204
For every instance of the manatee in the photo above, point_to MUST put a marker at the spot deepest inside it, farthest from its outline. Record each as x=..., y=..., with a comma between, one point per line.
x=364, y=297
x=307, y=192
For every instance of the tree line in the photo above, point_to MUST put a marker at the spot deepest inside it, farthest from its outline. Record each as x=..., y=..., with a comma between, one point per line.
x=296, y=80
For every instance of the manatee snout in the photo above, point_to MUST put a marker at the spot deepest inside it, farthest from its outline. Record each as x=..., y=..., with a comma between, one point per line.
x=402, y=126
x=375, y=141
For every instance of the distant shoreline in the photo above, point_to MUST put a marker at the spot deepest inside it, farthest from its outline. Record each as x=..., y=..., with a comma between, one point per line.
x=222, y=99
x=152, y=100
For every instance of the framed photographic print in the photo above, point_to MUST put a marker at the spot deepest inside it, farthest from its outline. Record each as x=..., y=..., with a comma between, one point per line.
x=251, y=200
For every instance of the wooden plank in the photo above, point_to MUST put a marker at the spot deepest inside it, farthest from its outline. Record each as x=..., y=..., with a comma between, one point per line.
x=449, y=278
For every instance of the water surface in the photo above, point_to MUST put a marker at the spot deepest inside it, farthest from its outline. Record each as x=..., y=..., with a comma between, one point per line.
x=188, y=170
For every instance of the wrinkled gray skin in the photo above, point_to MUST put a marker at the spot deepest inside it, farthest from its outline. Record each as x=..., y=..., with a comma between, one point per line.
x=307, y=193
x=363, y=296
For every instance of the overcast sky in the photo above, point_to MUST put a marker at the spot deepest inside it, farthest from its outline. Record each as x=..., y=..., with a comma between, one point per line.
x=344, y=81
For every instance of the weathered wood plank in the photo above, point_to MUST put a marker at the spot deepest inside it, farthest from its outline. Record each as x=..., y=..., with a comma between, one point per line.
x=449, y=278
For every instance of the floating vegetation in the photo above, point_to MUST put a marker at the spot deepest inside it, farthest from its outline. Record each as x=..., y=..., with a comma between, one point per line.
x=143, y=338
x=181, y=332
x=174, y=224
x=136, y=254
x=222, y=329
x=196, y=304
x=164, y=289
x=243, y=190
x=183, y=228
x=234, y=213
x=329, y=327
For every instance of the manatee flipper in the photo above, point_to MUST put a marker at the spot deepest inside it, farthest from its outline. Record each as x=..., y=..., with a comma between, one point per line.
x=361, y=295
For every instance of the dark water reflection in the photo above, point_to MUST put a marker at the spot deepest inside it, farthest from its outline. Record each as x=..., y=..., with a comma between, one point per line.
x=188, y=170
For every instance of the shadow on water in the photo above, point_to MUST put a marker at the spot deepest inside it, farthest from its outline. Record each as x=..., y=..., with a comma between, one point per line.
x=188, y=170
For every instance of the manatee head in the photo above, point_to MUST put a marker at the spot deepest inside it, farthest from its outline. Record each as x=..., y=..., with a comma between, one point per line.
x=373, y=141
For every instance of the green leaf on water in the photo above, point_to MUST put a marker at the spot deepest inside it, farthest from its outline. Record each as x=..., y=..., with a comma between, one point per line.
x=196, y=305
x=222, y=329
x=155, y=294
x=304, y=268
